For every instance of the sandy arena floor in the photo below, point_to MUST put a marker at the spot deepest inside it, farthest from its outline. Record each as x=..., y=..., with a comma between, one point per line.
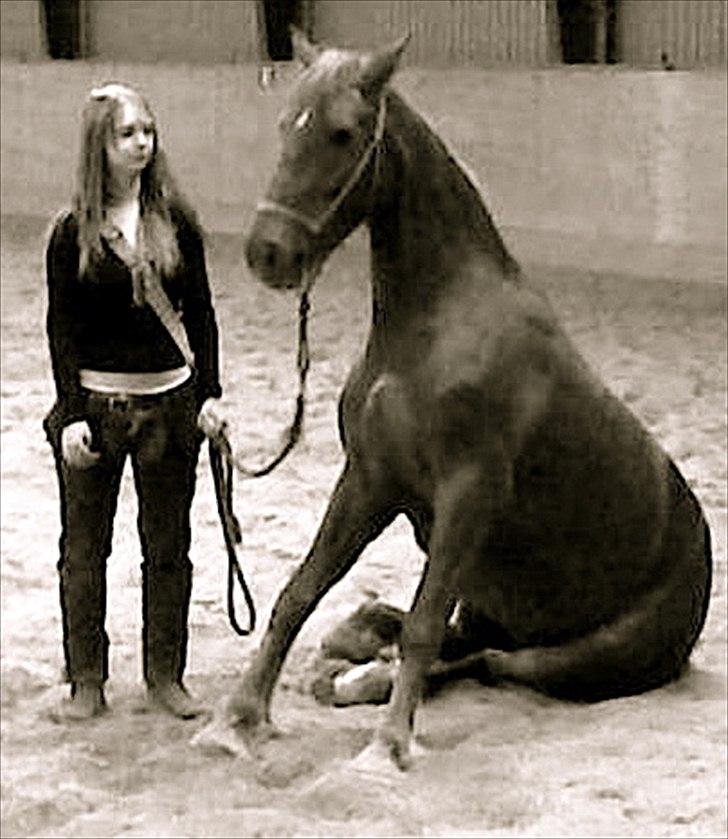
x=497, y=762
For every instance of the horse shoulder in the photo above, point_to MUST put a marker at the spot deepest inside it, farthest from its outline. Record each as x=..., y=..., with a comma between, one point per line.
x=500, y=379
x=388, y=406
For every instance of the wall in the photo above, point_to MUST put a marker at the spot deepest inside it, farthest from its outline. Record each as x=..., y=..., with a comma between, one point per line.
x=444, y=32
x=192, y=31
x=479, y=33
x=580, y=166
x=21, y=30
x=203, y=31
x=691, y=33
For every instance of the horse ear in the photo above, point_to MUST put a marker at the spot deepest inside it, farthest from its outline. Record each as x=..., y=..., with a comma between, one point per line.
x=377, y=68
x=303, y=49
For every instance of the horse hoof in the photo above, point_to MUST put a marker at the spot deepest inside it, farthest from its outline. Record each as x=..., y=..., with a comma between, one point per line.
x=220, y=737
x=375, y=760
x=367, y=683
x=380, y=758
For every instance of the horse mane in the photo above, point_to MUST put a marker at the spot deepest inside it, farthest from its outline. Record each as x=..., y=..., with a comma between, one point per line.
x=413, y=136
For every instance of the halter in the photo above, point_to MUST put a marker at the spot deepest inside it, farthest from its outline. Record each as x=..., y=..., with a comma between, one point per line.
x=316, y=225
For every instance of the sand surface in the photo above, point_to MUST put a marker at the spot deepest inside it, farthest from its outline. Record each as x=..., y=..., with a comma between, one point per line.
x=496, y=761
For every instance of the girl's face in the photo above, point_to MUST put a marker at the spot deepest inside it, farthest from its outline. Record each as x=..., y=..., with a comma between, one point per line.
x=131, y=144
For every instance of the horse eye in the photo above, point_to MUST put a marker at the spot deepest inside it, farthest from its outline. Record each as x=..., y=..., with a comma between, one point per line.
x=341, y=137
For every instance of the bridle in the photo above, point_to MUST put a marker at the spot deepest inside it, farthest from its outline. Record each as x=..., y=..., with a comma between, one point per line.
x=316, y=225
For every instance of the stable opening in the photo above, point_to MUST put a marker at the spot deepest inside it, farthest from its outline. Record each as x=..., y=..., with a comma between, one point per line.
x=62, y=23
x=278, y=17
x=588, y=30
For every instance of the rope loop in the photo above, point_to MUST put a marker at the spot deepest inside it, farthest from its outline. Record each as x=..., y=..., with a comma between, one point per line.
x=223, y=462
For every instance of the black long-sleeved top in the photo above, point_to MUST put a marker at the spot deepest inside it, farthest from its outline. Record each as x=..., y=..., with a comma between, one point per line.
x=93, y=323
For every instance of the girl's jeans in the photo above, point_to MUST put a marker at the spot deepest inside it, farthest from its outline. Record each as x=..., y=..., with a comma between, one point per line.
x=160, y=435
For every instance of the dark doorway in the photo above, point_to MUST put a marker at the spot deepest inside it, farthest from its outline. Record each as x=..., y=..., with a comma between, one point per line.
x=588, y=31
x=612, y=47
x=278, y=17
x=62, y=20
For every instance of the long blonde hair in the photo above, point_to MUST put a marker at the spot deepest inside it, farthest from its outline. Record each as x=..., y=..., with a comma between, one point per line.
x=158, y=192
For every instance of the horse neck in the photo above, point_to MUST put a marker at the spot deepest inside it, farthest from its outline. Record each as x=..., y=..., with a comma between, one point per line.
x=428, y=221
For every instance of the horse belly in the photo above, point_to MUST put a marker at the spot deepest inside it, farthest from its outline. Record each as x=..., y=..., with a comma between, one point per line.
x=543, y=594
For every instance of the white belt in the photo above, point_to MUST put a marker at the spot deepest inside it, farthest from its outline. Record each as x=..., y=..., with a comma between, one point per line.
x=134, y=384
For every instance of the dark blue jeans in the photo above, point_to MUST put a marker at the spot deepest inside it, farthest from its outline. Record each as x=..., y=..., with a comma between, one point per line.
x=160, y=436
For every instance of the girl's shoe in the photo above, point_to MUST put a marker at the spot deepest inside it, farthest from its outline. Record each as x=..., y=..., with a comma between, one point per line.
x=174, y=699
x=86, y=701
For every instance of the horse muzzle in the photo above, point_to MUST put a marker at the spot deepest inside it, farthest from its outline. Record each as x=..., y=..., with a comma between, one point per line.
x=276, y=253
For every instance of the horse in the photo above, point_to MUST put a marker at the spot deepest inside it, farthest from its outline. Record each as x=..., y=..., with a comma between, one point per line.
x=564, y=549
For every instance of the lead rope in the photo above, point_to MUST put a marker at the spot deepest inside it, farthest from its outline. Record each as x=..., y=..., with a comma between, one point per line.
x=222, y=473
x=303, y=362
x=222, y=462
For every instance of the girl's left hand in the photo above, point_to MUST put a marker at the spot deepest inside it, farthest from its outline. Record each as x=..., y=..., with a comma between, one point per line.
x=209, y=420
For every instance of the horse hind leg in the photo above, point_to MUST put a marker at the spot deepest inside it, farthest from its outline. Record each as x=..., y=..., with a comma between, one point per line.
x=467, y=637
x=643, y=649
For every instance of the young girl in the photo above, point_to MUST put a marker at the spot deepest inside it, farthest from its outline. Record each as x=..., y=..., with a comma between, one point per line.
x=134, y=349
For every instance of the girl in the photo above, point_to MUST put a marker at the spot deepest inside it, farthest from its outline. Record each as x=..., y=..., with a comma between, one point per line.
x=134, y=349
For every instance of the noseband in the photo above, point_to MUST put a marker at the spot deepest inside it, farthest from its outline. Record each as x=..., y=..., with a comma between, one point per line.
x=316, y=225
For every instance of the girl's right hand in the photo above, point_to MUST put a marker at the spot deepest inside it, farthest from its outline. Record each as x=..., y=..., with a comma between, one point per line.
x=76, y=445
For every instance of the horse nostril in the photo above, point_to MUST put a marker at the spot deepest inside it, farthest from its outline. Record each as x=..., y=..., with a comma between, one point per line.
x=269, y=255
x=274, y=262
x=262, y=254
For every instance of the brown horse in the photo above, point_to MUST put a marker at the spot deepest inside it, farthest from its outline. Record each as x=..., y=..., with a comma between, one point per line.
x=577, y=556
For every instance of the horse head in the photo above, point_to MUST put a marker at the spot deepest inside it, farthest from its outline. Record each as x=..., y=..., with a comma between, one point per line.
x=331, y=129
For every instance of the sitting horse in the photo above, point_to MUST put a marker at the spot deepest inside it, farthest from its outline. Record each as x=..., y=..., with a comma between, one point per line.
x=561, y=539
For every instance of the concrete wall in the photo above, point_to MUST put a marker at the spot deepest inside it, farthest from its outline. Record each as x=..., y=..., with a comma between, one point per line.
x=202, y=31
x=157, y=30
x=477, y=33
x=444, y=32
x=21, y=30
x=447, y=33
x=690, y=33
x=582, y=166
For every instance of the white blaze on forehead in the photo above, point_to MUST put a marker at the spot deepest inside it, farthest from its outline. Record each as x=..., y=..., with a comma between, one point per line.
x=303, y=119
x=331, y=63
x=331, y=59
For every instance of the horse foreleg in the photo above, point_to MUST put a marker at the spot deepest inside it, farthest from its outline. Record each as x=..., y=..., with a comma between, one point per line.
x=355, y=516
x=463, y=509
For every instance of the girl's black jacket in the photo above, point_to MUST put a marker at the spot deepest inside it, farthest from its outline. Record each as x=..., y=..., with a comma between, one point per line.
x=93, y=323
